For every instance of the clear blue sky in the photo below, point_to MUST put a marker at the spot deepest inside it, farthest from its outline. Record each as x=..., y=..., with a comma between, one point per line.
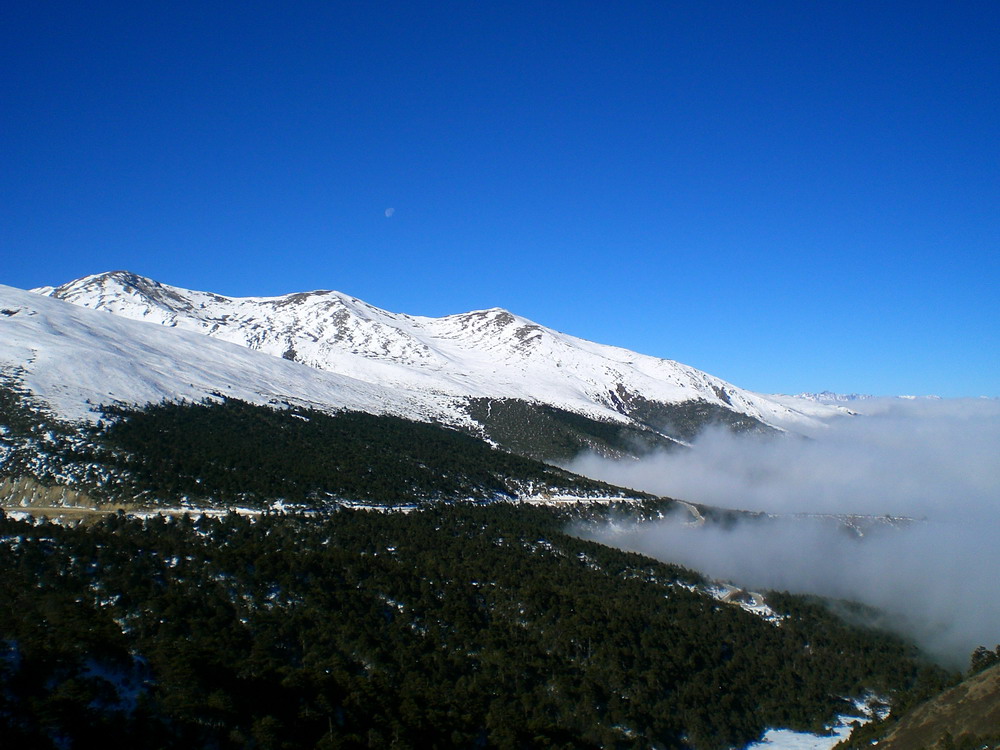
x=789, y=195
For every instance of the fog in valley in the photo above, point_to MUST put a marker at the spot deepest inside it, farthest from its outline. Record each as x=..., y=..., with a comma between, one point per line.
x=936, y=578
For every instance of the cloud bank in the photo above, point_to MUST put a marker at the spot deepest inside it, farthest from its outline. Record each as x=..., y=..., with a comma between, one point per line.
x=933, y=460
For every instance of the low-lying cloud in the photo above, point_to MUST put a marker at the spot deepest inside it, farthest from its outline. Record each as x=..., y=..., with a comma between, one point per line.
x=937, y=461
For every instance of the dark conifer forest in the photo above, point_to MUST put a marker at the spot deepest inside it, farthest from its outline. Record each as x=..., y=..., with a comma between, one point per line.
x=463, y=618
x=454, y=626
x=231, y=452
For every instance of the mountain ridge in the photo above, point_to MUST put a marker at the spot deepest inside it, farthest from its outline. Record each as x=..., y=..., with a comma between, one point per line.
x=482, y=354
x=830, y=397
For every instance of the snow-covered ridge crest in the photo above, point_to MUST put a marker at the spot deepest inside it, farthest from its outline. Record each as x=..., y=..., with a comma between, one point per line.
x=481, y=354
x=74, y=359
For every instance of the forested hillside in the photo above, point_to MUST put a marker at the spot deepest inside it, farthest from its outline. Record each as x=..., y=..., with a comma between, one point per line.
x=230, y=452
x=473, y=620
x=455, y=626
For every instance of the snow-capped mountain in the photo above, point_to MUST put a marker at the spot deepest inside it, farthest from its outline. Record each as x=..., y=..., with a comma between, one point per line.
x=73, y=359
x=829, y=397
x=851, y=404
x=485, y=354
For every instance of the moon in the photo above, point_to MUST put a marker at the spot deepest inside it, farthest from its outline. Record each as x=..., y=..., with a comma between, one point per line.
x=389, y=212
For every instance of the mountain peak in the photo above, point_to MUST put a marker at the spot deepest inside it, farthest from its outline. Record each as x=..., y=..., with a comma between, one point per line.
x=482, y=354
x=123, y=279
x=127, y=294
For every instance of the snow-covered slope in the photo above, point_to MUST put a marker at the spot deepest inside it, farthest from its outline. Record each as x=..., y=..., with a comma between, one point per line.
x=820, y=410
x=73, y=359
x=491, y=354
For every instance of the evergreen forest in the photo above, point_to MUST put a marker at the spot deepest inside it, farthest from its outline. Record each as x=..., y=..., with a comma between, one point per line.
x=450, y=614
x=229, y=452
x=458, y=625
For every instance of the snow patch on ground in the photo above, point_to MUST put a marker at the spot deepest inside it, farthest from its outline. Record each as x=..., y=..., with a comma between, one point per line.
x=786, y=739
x=546, y=499
x=749, y=601
x=868, y=707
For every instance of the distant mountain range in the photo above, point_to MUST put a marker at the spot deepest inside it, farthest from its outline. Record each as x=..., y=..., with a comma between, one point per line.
x=491, y=372
x=829, y=397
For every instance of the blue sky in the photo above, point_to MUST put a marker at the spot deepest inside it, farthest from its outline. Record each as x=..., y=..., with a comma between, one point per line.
x=790, y=195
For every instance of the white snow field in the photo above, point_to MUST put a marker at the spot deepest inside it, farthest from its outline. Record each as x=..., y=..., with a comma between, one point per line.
x=75, y=359
x=487, y=353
